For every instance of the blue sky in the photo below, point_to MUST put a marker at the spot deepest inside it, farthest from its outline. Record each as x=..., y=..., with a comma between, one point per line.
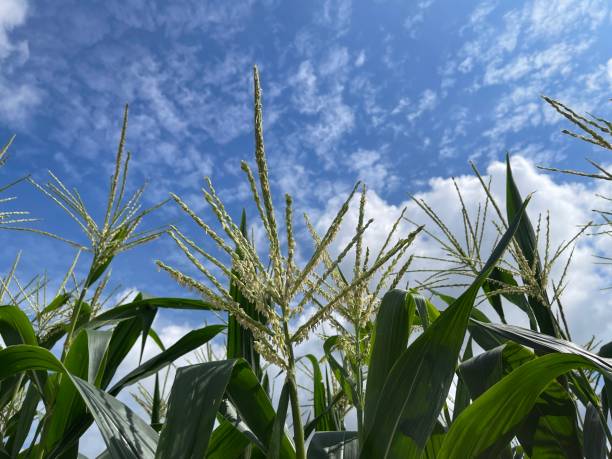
x=393, y=93
x=398, y=94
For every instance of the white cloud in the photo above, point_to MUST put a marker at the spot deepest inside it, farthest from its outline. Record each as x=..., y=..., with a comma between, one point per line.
x=555, y=17
x=336, y=14
x=569, y=202
x=18, y=101
x=19, y=95
x=412, y=22
x=427, y=102
x=537, y=42
x=457, y=128
x=220, y=20
x=12, y=14
x=370, y=168
x=361, y=58
x=558, y=59
x=318, y=92
x=335, y=62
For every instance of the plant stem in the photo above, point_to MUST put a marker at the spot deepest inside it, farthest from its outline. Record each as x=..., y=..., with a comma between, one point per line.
x=359, y=401
x=73, y=320
x=298, y=430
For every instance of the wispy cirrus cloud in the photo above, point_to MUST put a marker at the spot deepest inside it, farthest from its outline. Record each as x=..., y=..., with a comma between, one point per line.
x=19, y=95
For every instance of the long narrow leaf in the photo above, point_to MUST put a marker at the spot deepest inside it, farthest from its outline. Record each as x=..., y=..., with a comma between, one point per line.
x=392, y=330
x=410, y=403
x=125, y=434
x=496, y=412
x=278, y=430
x=550, y=428
x=334, y=445
x=525, y=235
x=191, y=341
x=196, y=396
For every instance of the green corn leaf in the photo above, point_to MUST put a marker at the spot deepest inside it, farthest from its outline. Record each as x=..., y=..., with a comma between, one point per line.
x=310, y=426
x=239, y=339
x=325, y=421
x=339, y=371
x=24, y=420
x=97, y=345
x=147, y=319
x=434, y=444
x=409, y=403
x=393, y=325
x=484, y=339
x=334, y=445
x=67, y=405
x=606, y=393
x=227, y=441
x=22, y=357
x=229, y=413
x=526, y=239
x=254, y=406
x=500, y=409
x=125, y=434
x=192, y=409
x=15, y=327
x=594, y=435
x=140, y=307
x=540, y=341
x=278, y=429
x=196, y=397
x=156, y=339
x=550, y=428
x=427, y=312
x=191, y=341
x=462, y=394
x=57, y=302
x=125, y=335
x=156, y=423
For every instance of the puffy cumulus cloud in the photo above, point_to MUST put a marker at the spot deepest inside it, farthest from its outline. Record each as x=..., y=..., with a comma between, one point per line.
x=569, y=203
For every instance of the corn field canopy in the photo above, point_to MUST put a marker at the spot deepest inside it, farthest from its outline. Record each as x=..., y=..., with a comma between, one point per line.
x=332, y=230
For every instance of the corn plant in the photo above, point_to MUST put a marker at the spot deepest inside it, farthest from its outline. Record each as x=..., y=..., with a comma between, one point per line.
x=281, y=293
x=95, y=343
x=424, y=381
